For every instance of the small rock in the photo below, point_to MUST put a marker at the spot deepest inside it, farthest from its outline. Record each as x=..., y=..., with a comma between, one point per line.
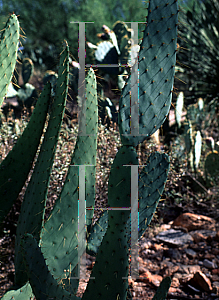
x=209, y=256
x=145, y=245
x=194, y=222
x=214, y=278
x=174, y=237
x=175, y=282
x=209, y=264
x=156, y=280
x=216, y=238
x=197, y=236
x=215, y=289
x=144, y=277
x=201, y=281
x=190, y=269
x=190, y=253
x=142, y=270
x=147, y=277
x=172, y=253
x=157, y=247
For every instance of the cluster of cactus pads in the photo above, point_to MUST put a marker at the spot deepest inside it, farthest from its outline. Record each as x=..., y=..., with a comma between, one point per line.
x=196, y=119
x=47, y=255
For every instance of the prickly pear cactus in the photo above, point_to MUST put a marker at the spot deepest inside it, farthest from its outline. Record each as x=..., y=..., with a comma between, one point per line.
x=151, y=185
x=55, y=259
x=33, y=208
x=212, y=167
x=16, y=166
x=27, y=69
x=61, y=229
x=24, y=293
x=47, y=287
x=110, y=271
x=157, y=59
x=8, y=51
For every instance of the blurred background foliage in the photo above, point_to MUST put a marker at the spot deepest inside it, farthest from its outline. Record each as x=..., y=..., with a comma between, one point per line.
x=199, y=42
x=46, y=23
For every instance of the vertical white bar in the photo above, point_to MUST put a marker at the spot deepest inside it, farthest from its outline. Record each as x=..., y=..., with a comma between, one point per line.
x=134, y=88
x=81, y=80
x=81, y=223
x=134, y=222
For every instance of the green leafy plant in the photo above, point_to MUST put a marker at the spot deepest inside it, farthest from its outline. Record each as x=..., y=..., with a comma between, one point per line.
x=199, y=31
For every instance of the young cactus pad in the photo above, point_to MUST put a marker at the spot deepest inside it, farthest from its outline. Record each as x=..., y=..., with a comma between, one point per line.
x=212, y=165
x=157, y=59
x=24, y=293
x=8, y=53
x=15, y=167
x=42, y=282
x=152, y=180
x=163, y=289
x=59, y=238
x=27, y=69
x=33, y=206
x=111, y=268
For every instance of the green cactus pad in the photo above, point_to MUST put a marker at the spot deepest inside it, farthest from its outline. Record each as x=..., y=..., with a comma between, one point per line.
x=152, y=180
x=33, y=206
x=111, y=267
x=24, y=293
x=27, y=69
x=188, y=136
x=43, y=284
x=59, y=239
x=157, y=59
x=96, y=234
x=8, y=50
x=15, y=167
x=163, y=289
x=212, y=165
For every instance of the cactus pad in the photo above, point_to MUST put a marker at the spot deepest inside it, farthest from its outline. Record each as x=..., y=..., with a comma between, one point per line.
x=24, y=293
x=157, y=59
x=111, y=267
x=27, y=69
x=151, y=185
x=8, y=50
x=16, y=166
x=43, y=284
x=59, y=238
x=33, y=206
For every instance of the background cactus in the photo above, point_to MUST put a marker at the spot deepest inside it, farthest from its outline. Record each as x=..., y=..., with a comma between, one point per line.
x=27, y=94
x=8, y=50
